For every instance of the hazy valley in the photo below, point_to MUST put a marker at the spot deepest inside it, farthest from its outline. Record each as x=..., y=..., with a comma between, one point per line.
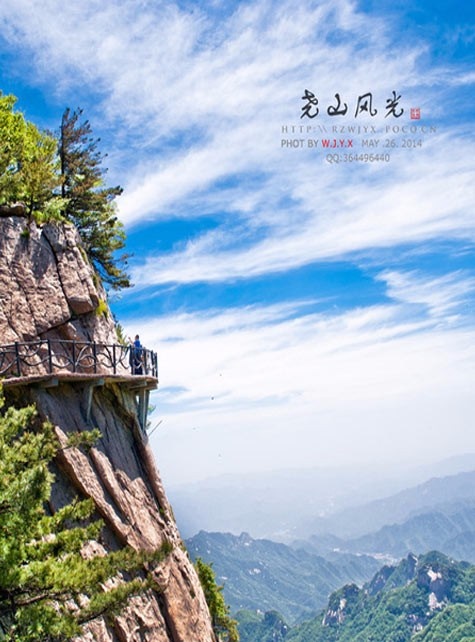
x=286, y=505
x=273, y=587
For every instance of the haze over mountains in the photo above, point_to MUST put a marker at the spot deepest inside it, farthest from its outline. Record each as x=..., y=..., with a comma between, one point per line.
x=287, y=505
x=447, y=528
x=439, y=493
x=262, y=575
x=335, y=547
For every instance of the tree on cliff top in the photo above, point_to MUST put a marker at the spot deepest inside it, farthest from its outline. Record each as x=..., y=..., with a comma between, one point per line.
x=89, y=204
x=48, y=588
x=28, y=164
x=62, y=180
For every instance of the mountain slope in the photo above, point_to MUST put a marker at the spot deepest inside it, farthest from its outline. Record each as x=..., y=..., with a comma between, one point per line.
x=265, y=575
x=452, y=533
x=51, y=298
x=424, y=599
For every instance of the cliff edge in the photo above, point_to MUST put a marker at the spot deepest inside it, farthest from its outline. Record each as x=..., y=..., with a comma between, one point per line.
x=49, y=294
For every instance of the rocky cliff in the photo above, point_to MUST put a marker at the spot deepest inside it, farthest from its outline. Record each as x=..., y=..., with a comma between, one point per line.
x=48, y=291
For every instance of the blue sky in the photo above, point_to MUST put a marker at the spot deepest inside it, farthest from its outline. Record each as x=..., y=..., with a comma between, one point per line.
x=308, y=307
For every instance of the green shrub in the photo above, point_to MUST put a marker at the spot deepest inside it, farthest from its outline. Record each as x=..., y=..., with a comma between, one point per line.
x=224, y=626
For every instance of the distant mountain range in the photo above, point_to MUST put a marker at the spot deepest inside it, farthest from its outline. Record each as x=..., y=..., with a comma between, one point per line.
x=450, y=529
x=291, y=582
x=438, y=514
x=285, y=505
x=439, y=494
x=425, y=599
x=265, y=575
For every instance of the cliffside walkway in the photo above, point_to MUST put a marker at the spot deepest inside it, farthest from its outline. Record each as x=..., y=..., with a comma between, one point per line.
x=35, y=359
x=49, y=362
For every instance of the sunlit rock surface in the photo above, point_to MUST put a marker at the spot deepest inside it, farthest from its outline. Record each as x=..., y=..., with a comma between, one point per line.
x=48, y=291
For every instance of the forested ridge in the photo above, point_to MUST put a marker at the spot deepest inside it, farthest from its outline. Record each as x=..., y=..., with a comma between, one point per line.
x=430, y=598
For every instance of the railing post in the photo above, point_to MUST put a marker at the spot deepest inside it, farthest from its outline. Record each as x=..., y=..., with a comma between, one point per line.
x=114, y=359
x=74, y=356
x=94, y=352
x=50, y=357
x=17, y=357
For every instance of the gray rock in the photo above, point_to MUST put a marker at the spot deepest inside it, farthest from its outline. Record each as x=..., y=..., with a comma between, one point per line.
x=48, y=290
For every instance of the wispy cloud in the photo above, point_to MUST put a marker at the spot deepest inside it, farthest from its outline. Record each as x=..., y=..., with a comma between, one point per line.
x=274, y=350
x=425, y=201
x=208, y=93
x=258, y=375
x=440, y=296
x=191, y=102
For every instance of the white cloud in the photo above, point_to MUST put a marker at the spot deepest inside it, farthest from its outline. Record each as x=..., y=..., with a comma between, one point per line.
x=440, y=295
x=199, y=98
x=279, y=360
x=194, y=99
x=364, y=382
x=403, y=204
x=223, y=88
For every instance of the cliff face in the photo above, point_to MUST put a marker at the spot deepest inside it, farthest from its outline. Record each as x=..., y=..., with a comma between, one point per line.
x=48, y=291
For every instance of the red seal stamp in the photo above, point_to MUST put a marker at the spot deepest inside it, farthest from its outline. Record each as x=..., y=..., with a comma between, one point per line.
x=415, y=113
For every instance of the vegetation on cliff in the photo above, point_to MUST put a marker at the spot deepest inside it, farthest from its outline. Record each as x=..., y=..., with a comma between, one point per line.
x=28, y=164
x=224, y=627
x=63, y=179
x=89, y=204
x=53, y=577
x=255, y=626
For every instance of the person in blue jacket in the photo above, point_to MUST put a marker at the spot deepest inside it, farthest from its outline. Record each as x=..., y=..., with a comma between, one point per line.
x=136, y=355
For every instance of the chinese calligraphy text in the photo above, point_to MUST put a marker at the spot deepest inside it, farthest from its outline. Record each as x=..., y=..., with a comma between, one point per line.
x=364, y=106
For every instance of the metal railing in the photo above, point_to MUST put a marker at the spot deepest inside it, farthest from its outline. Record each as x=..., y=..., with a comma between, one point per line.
x=53, y=356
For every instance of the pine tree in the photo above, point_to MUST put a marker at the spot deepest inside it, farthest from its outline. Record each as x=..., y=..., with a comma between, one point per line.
x=89, y=204
x=48, y=589
x=63, y=180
